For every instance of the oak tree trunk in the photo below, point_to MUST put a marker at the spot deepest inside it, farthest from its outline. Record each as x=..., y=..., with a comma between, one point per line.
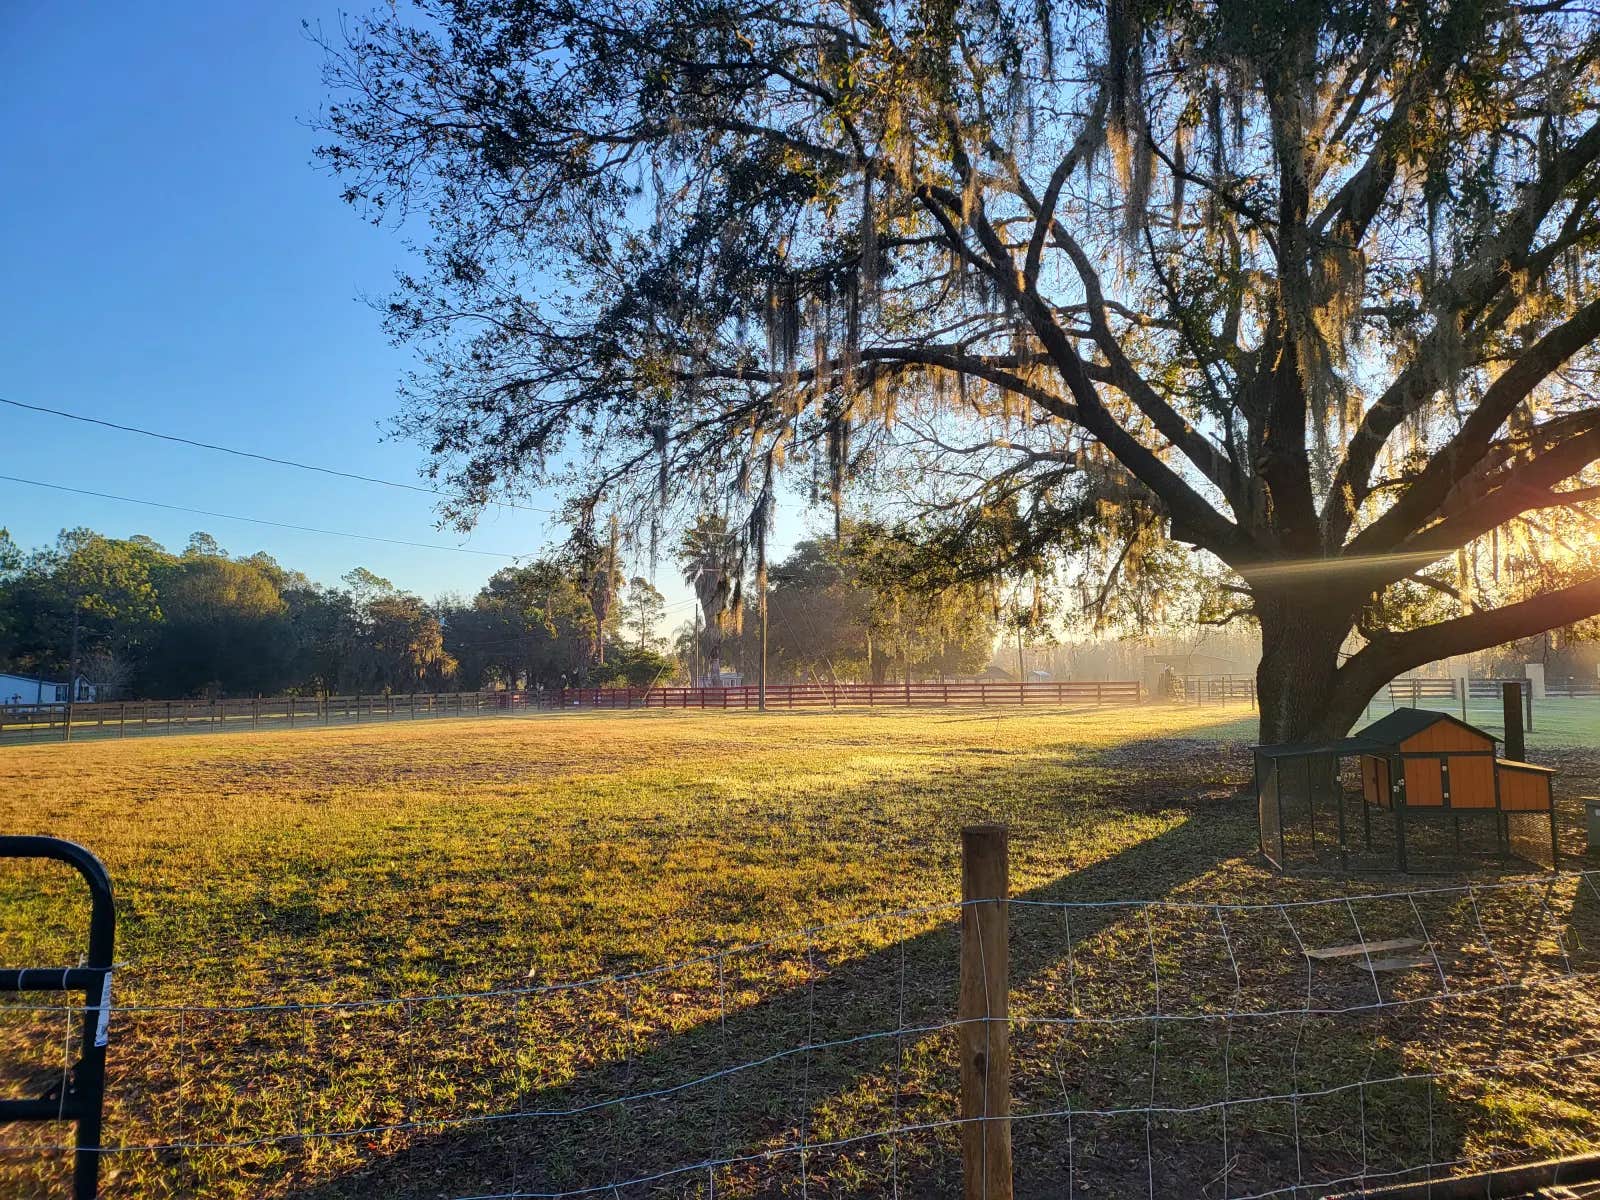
x=1302, y=691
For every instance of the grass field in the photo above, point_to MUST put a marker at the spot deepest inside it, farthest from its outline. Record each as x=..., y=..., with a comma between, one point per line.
x=467, y=855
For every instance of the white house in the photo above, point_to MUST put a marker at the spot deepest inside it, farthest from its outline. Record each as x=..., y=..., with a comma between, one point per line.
x=24, y=689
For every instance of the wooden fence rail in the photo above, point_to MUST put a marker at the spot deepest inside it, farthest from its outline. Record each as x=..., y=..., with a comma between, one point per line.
x=1410, y=689
x=1217, y=689
x=871, y=695
x=134, y=717
x=1414, y=690
x=1571, y=689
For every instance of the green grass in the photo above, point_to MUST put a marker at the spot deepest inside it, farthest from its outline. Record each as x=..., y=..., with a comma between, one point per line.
x=1557, y=721
x=466, y=855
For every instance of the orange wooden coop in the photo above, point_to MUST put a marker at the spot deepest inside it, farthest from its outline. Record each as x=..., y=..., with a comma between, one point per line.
x=1416, y=765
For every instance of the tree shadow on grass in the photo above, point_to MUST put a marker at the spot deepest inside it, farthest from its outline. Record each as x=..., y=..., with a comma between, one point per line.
x=793, y=1051
x=739, y=1058
x=850, y=1083
x=739, y=1088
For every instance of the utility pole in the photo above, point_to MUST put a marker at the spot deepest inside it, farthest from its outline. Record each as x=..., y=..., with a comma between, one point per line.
x=609, y=593
x=761, y=592
x=72, y=666
x=761, y=676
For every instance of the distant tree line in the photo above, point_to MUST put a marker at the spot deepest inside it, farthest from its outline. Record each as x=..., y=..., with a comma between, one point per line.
x=143, y=621
x=140, y=620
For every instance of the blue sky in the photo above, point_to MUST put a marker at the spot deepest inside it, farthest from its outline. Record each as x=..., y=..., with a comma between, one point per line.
x=175, y=260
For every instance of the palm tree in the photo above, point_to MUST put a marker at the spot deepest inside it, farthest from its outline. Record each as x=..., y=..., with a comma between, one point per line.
x=713, y=565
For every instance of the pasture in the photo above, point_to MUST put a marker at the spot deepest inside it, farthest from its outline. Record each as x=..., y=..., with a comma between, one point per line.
x=507, y=855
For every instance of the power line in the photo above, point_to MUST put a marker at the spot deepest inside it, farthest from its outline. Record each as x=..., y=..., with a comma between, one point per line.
x=201, y=512
x=266, y=458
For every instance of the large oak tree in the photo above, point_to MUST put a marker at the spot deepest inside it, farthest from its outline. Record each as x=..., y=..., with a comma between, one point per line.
x=1308, y=283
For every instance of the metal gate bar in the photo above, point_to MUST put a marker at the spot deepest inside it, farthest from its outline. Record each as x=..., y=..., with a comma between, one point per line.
x=80, y=1095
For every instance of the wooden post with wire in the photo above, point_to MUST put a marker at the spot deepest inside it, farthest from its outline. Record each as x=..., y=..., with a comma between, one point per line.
x=984, y=1013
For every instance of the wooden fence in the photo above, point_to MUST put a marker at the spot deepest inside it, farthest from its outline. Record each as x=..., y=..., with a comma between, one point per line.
x=137, y=717
x=856, y=695
x=1218, y=689
x=133, y=717
x=1412, y=690
x=1571, y=689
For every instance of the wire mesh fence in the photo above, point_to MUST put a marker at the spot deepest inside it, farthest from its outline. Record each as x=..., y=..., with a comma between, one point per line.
x=1157, y=1049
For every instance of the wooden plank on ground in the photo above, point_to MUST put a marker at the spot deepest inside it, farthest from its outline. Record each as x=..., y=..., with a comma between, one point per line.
x=1363, y=949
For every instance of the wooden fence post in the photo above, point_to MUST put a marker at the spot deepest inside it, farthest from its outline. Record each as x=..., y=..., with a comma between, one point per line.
x=1511, y=708
x=984, y=1013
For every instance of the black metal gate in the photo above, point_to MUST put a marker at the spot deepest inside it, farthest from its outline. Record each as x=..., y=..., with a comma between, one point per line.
x=79, y=1096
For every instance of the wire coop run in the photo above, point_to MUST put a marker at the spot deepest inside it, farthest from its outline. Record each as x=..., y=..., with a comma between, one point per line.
x=1411, y=792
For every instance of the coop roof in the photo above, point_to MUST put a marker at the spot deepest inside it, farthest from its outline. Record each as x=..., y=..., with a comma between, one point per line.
x=1382, y=734
x=1300, y=749
x=1512, y=764
x=1403, y=723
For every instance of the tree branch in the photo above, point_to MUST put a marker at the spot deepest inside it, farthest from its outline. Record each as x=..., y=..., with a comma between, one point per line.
x=1456, y=459
x=1396, y=653
x=1489, y=273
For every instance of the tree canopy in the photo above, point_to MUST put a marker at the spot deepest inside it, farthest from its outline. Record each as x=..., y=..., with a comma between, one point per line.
x=1308, y=287
x=858, y=608
x=156, y=624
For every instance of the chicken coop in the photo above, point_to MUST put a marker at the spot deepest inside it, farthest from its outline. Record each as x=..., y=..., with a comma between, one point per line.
x=1406, y=791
